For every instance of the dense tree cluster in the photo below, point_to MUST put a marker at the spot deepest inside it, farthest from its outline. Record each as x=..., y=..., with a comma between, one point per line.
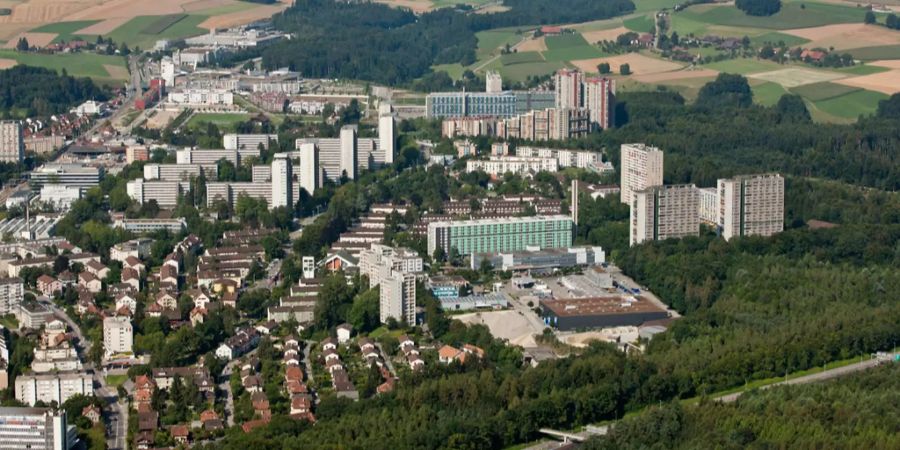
x=371, y=41
x=758, y=7
x=35, y=91
x=859, y=411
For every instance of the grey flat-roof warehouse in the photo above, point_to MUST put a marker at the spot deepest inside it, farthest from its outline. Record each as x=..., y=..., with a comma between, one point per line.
x=599, y=312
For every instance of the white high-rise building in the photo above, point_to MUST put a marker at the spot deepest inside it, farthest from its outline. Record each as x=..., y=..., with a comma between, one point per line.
x=309, y=267
x=348, y=151
x=118, y=335
x=493, y=82
x=397, y=296
x=642, y=167
x=12, y=144
x=167, y=71
x=751, y=205
x=53, y=387
x=387, y=137
x=663, y=212
x=709, y=206
x=568, y=88
x=12, y=291
x=309, y=167
x=245, y=141
x=282, y=181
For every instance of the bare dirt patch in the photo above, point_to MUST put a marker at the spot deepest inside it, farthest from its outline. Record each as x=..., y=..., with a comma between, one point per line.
x=10, y=30
x=604, y=35
x=39, y=12
x=34, y=39
x=242, y=17
x=677, y=75
x=509, y=325
x=130, y=8
x=889, y=63
x=847, y=35
x=794, y=77
x=418, y=6
x=533, y=45
x=638, y=63
x=118, y=72
x=104, y=27
x=6, y=63
x=161, y=119
x=884, y=82
x=581, y=340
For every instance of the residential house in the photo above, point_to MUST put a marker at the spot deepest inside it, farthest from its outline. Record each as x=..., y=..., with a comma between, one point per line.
x=181, y=434
x=90, y=282
x=447, y=354
x=166, y=300
x=48, y=285
x=343, y=333
x=132, y=278
x=132, y=262
x=92, y=412
x=97, y=268
x=126, y=300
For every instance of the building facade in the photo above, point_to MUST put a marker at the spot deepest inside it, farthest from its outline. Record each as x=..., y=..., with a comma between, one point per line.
x=12, y=291
x=58, y=387
x=247, y=141
x=751, y=205
x=282, y=181
x=12, y=143
x=499, y=165
x=35, y=429
x=118, y=336
x=642, y=167
x=500, y=235
x=663, y=212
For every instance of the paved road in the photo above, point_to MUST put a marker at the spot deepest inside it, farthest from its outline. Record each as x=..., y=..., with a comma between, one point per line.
x=821, y=376
x=225, y=386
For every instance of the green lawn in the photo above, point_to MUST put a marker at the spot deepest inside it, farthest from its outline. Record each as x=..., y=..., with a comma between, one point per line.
x=520, y=58
x=852, y=105
x=654, y=5
x=490, y=41
x=76, y=64
x=65, y=30
x=875, y=53
x=640, y=24
x=743, y=66
x=116, y=380
x=221, y=120
x=9, y=321
x=774, y=38
x=817, y=92
x=768, y=93
x=793, y=14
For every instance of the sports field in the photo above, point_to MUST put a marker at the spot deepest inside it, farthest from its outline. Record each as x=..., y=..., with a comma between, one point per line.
x=221, y=120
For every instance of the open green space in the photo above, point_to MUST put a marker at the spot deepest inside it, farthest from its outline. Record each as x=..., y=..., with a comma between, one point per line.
x=817, y=92
x=654, y=5
x=767, y=93
x=852, y=105
x=774, y=38
x=793, y=14
x=743, y=66
x=144, y=31
x=116, y=380
x=76, y=64
x=9, y=321
x=876, y=53
x=569, y=47
x=521, y=72
x=455, y=70
x=490, y=41
x=65, y=30
x=520, y=58
x=640, y=24
x=221, y=120
x=861, y=69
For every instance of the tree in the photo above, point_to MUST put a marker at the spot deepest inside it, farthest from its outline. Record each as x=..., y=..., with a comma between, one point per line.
x=23, y=45
x=727, y=90
x=758, y=7
x=364, y=313
x=889, y=108
x=792, y=108
x=603, y=68
x=870, y=17
x=625, y=69
x=892, y=22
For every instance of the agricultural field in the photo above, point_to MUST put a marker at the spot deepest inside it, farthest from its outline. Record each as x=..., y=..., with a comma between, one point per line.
x=100, y=67
x=793, y=14
x=569, y=47
x=133, y=22
x=767, y=93
x=851, y=106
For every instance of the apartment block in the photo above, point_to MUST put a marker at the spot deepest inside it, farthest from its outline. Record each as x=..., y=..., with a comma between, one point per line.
x=247, y=141
x=642, y=167
x=165, y=193
x=75, y=175
x=282, y=182
x=178, y=172
x=500, y=235
x=348, y=153
x=403, y=260
x=496, y=104
x=751, y=205
x=12, y=292
x=499, y=165
x=309, y=168
x=582, y=159
x=118, y=336
x=663, y=212
x=709, y=206
x=210, y=158
x=397, y=296
x=568, y=83
x=58, y=387
x=12, y=143
x=600, y=101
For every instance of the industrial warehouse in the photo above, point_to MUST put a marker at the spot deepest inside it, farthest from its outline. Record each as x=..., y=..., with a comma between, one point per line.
x=598, y=312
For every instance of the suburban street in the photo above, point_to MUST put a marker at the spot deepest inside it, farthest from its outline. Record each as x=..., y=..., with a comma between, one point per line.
x=225, y=386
